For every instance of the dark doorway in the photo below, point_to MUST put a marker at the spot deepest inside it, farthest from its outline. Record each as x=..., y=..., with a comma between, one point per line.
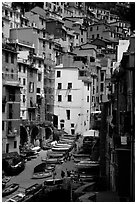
x=48, y=132
x=34, y=133
x=23, y=135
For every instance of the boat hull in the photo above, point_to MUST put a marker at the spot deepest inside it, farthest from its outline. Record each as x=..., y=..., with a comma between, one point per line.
x=10, y=189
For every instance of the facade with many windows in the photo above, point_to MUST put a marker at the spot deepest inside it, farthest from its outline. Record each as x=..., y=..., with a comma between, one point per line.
x=72, y=100
x=10, y=100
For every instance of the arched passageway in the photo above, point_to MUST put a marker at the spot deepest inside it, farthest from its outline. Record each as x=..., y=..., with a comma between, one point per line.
x=48, y=132
x=23, y=135
x=34, y=134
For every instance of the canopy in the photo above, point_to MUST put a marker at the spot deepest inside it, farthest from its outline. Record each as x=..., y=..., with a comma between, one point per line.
x=92, y=133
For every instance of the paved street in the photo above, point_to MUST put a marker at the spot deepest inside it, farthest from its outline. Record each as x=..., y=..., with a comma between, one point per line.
x=24, y=178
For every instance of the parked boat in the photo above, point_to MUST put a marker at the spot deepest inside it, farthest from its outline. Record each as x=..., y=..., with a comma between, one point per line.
x=87, y=164
x=16, y=198
x=76, y=160
x=43, y=167
x=10, y=189
x=87, y=197
x=62, y=145
x=41, y=175
x=53, y=182
x=17, y=168
x=32, y=189
x=60, y=148
x=84, y=189
x=54, y=161
x=13, y=166
x=55, y=155
x=46, y=147
x=6, y=179
x=81, y=155
x=37, y=149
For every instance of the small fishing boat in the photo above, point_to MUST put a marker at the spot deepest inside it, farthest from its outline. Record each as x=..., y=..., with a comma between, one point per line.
x=53, y=181
x=46, y=147
x=6, y=179
x=43, y=167
x=16, y=198
x=76, y=160
x=41, y=175
x=87, y=197
x=37, y=149
x=32, y=189
x=54, y=161
x=60, y=148
x=10, y=189
x=55, y=155
x=81, y=155
x=17, y=168
x=88, y=187
x=87, y=165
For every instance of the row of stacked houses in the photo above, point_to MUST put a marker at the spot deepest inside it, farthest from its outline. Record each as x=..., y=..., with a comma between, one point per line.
x=57, y=66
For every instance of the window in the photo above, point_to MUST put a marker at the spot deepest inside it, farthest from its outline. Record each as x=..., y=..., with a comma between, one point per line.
x=69, y=98
x=6, y=13
x=97, y=89
x=72, y=131
x=12, y=73
x=87, y=98
x=101, y=87
x=24, y=69
x=58, y=73
x=68, y=114
x=72, y=124
x=81, y=32
x=38, y=90
x=11, y=14
x=23, y=112
x=69, y=85
x=19, y=67
x=3, y=125
x=97, y=35
x=59, y=98
x=39, y=63
x=82, y=40
x=76, y=36
x=42, y=21
x=97, y=27
x=49, y=45
x=43, y=34
x=92, y=36
x=24, y=81
x=102, y=76
x=12, y=58
x=88, y=87
x=91, y=28
x=15, y=144
x=39, y=77
x=59, y=85
x=3, y=107
x=7, y=148
x=24, y=99
x=6, y=57
x=31, y=87
x=43, y=44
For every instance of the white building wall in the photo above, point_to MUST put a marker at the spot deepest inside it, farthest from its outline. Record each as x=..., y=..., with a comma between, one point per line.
x=78, y=107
